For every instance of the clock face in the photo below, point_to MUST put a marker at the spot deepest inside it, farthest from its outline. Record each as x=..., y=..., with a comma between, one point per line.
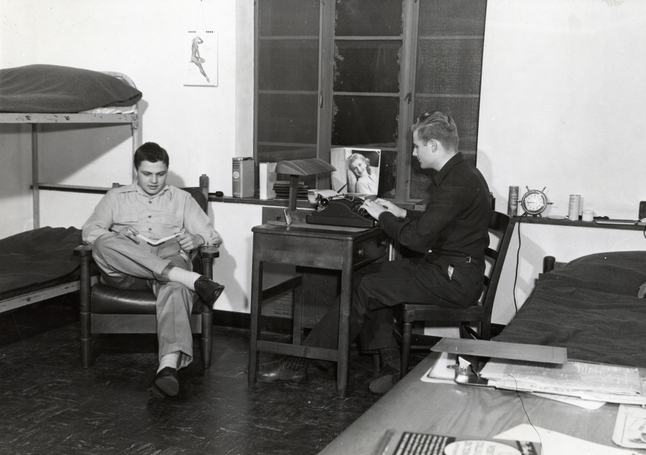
x=534, y=202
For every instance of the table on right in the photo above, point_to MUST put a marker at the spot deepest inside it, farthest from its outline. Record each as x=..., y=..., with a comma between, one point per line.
x=465, y=410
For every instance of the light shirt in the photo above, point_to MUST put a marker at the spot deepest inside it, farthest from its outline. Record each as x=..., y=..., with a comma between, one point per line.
x=168, y=212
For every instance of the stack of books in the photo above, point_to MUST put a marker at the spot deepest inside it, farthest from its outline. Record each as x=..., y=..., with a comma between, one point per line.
x=282, y=190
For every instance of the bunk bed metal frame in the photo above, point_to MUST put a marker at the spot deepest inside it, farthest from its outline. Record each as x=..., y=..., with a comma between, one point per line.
x=35, y=120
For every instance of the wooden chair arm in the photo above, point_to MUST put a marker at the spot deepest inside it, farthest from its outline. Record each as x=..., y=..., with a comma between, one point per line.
x=209, y=252
x=83, y=251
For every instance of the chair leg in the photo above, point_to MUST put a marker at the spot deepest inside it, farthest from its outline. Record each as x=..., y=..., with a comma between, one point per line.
x=86, y=352
x=406, y=342
x=206, y=339
x=485, y=330
x=297, y=315
x=376, y=361
x=85, y=315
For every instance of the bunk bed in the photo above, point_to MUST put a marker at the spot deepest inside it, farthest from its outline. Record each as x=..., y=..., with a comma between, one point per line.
x=39, y=94
x=589, y=305
x=51, y=94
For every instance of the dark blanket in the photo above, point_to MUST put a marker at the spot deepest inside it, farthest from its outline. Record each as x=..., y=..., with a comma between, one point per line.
x=38, y=259
x=61, y=89
x=590, y=307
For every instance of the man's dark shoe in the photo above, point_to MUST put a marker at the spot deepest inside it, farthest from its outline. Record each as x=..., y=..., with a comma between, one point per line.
x=208, y=290
x=155, y=391
x=387, y=378
x=166, y=382
x=278, y=371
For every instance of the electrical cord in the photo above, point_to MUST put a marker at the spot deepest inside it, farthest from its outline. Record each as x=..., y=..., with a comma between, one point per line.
x=516, y=271
x=522, y=403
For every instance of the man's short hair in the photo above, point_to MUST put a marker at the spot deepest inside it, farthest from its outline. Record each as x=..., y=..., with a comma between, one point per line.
x=151, y=151
x=439, y=126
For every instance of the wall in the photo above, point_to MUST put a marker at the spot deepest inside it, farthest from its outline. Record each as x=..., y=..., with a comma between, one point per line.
x=561, y=108
x=145, y=39
x=201, y=127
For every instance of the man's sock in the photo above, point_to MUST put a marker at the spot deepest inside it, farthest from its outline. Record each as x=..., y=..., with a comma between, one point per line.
x=186, y=277
x=169, y=360
x=295, y=363
x=390, y=356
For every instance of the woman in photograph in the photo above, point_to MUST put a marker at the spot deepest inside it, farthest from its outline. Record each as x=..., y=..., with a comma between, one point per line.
x=359, y=168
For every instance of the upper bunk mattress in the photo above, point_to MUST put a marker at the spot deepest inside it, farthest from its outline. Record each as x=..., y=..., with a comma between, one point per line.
x=61, y=89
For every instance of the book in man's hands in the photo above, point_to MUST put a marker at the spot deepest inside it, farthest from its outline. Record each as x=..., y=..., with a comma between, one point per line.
x=157, y=241
x=432, y=444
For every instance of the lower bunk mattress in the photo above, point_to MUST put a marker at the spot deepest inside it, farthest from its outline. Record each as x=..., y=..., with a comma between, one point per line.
x=38, y=259
x=590, y=306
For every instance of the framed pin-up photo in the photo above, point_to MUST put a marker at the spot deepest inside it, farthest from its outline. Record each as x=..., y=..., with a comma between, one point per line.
x=357, y=170
x=201, y=51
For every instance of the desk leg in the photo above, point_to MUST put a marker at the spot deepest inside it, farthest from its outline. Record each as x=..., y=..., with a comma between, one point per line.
x=344, y=323
x=254, y=332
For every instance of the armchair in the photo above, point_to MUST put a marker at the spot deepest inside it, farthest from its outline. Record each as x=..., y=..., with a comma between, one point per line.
x=105, y=309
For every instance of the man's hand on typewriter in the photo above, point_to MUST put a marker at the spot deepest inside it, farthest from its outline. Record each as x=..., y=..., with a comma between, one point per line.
x=379, y=206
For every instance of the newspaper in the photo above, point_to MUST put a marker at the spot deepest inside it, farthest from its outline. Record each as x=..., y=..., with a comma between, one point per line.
x=591, y=381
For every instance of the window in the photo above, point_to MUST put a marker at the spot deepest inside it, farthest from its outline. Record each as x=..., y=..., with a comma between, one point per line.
x=358, y=72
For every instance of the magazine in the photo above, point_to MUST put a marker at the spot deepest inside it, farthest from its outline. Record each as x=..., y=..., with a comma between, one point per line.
x=432, y=444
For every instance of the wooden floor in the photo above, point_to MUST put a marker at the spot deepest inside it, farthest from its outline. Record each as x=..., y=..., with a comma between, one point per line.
x=49, y=404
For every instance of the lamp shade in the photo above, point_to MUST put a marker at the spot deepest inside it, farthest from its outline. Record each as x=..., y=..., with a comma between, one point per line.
x=309, y=166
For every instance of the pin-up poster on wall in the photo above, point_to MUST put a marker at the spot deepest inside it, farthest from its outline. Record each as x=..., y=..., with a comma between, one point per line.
x=201, y=51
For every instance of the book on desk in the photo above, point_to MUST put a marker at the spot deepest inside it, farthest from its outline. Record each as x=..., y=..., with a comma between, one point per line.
x=434, y=444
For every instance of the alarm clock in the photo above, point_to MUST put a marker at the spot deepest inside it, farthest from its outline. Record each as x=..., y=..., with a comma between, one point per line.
x=534, y=202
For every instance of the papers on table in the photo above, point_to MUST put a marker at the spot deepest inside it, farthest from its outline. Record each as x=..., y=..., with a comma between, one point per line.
x=582, y=384
x=558, y=443
x=443, y=371
x=630, y=427
x=589, y=381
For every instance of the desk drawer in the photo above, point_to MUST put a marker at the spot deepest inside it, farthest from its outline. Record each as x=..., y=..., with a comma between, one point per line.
x=371, y=249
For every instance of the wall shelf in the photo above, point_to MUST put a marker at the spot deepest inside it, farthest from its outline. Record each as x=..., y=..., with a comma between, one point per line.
x=579, y=223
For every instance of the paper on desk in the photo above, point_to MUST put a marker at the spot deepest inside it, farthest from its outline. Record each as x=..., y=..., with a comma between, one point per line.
x=443, y=370
x=630, y=427
x=611, y=383
x=580, y=402
x=555, y=443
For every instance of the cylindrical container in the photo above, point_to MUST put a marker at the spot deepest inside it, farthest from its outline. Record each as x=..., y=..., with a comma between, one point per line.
x=575, y=207
x=204, y=180
x=512, y=209
x=587, y=215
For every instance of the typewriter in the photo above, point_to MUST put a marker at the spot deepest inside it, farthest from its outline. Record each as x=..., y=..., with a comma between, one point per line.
x=341, y=210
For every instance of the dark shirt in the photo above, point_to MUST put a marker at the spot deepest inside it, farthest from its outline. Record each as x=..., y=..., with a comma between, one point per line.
x=456, y=219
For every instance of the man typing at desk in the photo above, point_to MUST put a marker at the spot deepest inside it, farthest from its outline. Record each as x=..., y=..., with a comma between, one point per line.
x=452, y=233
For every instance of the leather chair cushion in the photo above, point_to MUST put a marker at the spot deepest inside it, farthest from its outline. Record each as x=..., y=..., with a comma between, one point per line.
x=109, y=300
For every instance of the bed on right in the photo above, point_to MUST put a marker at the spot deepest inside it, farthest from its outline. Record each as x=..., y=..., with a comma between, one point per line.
x=590, y=306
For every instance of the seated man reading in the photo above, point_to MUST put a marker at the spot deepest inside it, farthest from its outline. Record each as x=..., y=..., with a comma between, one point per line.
x=152, y=209
x=452, y=233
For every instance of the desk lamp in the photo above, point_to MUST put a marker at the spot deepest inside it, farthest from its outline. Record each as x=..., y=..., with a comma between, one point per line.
x=301, y=168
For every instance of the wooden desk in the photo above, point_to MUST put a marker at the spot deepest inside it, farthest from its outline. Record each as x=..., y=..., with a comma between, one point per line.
x=325, y=247
x=413, y=405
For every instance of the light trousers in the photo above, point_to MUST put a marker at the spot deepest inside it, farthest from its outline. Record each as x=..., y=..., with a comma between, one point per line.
x=127, y=265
